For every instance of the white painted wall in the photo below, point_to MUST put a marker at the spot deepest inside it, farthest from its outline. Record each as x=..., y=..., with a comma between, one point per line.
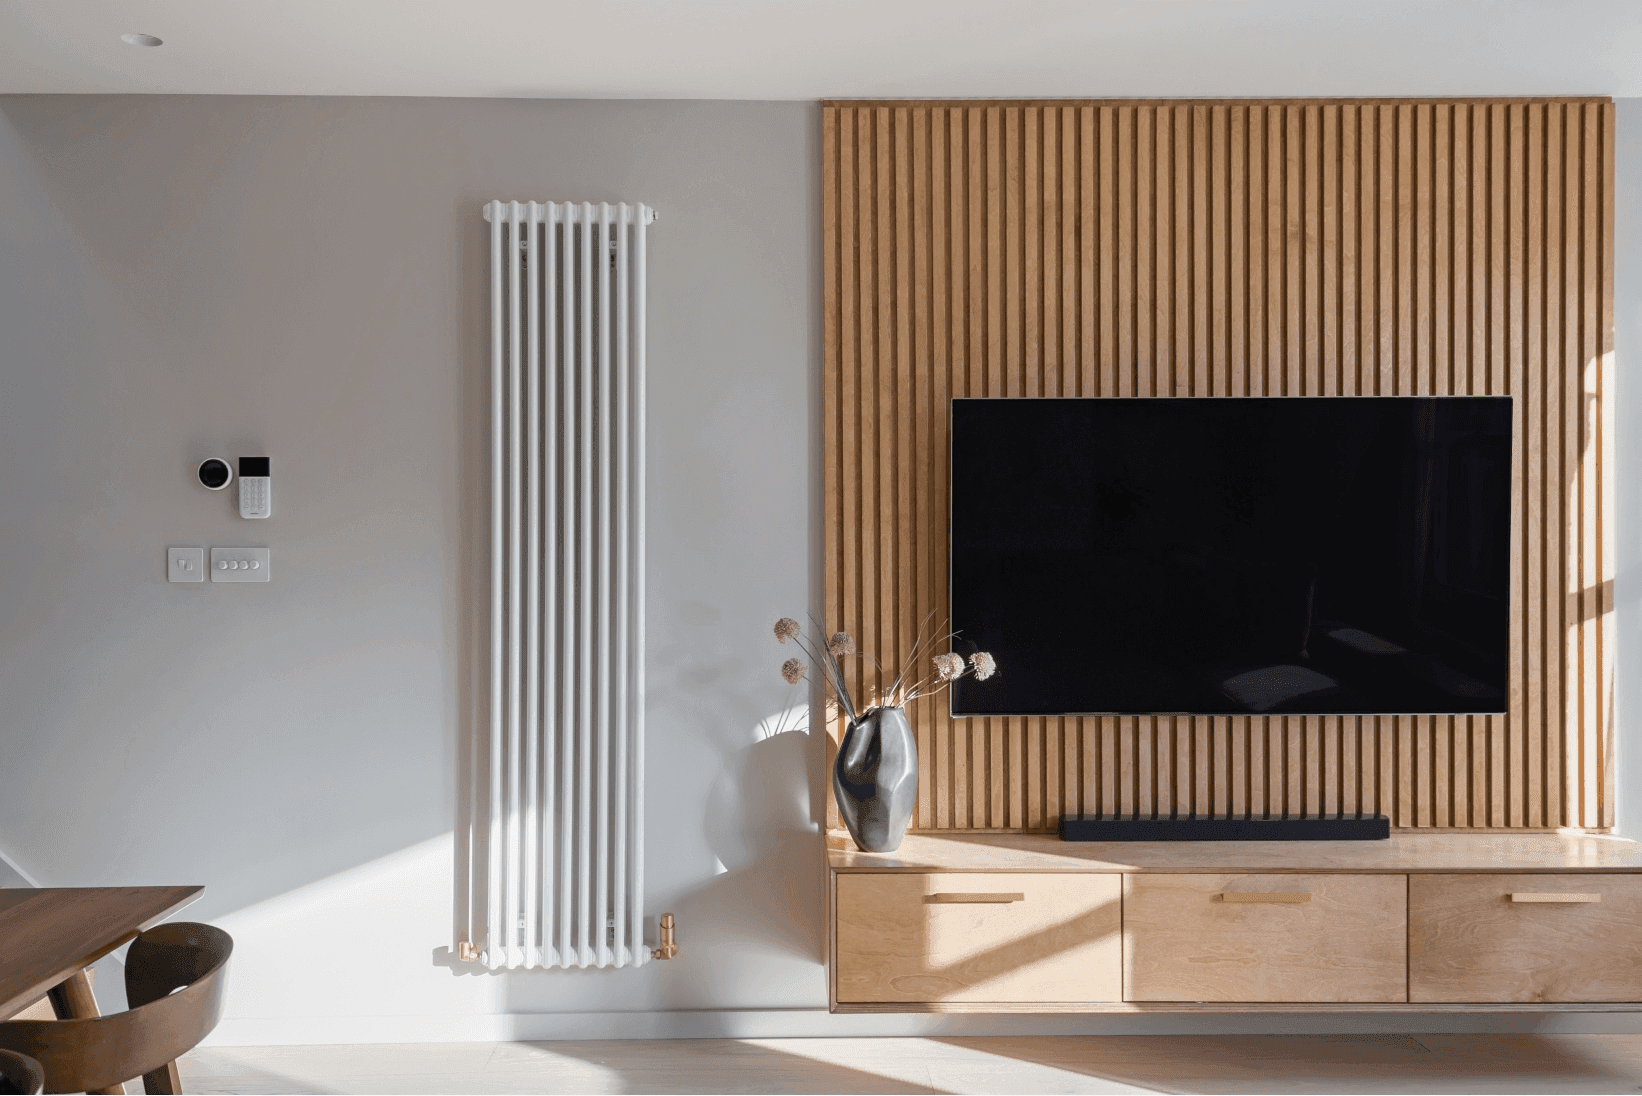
x=182, y=277
x=309, y=278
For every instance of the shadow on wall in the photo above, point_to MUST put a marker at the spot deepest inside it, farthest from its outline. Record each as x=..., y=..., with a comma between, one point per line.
x=760, y=816
x=759, y=827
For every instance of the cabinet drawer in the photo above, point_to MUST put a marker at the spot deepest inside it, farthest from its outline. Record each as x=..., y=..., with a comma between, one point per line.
x=1470, y=941
x=978, y=937
x=1286, y=937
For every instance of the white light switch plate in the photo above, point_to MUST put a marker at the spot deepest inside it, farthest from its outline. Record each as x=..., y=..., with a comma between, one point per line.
x=185, y=564
x=240, y=565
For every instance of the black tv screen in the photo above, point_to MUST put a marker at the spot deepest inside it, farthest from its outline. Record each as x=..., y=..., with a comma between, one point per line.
x=1338, y=555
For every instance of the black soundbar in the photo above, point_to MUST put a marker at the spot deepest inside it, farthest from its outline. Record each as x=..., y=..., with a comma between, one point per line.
x=1093, y=828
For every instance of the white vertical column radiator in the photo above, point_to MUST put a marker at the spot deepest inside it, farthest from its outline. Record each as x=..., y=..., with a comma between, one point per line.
x=556, y=872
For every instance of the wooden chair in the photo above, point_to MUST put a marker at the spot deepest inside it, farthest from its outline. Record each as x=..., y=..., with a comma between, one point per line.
x=20, y=1073
x=174, y=978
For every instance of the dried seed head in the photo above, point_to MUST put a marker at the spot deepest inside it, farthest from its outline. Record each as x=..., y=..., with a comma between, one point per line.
x=948, y=666
x=787, y=628
x=985, y=665
x=841, y=643
x=793, y=670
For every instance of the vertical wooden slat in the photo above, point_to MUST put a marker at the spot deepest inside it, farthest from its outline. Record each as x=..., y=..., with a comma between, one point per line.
x=1369, y=327
x=834, y=388
x=899, y=525
x=1551, y=503
x=1294, y=252
x=921, y=499
x=1442, y=384
x=1421, y=211
x=1204, y=293
x=1237, y=236
x=1410, y=755
x=997, y=329
x=1498, y=366
x=1097, y=329
x=872, y=250
x=1418, y=216
x=1573, y=150
x=1513, y=289
x=1405, y=205
x=1072, y=759
x=1480, y=379
x=1293, y=802
x=1257, y=346
x=1111, y=253
x=1017, y=368
x=1218, y=278
x=968, y=276
x=1350, y=797
x=1229, y=249
x=1126, y=799
x=1312, y=203
x=1531, y=443
x=1254, y=762
x=1386, y=223
x=1277, y=271
x=1035, y=383
x=970, y=160
x=852, y=399
x=1329, y=212
x=1607, y=466
x=1458, y=343
x=1590, y=571
x=1351, y=182
x=943, y=343
x=1144, y=301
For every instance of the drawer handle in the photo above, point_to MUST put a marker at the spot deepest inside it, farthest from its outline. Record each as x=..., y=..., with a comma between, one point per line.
x=1521, y=897
x=1267, y=898
x=992, y=897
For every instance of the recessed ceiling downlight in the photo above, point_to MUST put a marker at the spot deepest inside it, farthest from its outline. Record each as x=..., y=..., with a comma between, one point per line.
x=141, y=40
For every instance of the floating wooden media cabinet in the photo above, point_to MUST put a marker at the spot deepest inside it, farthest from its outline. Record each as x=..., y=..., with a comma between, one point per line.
x=1419, y=923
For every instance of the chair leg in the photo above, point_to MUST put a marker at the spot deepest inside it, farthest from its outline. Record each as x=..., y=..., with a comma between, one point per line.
x=72, y=999
x=164, y=1081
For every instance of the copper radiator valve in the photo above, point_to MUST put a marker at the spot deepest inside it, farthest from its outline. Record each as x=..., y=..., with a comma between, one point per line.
x=668, y=949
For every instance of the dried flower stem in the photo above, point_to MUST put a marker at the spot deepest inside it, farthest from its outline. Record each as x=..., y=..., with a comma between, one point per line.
x=828, y=665
x=824, y=652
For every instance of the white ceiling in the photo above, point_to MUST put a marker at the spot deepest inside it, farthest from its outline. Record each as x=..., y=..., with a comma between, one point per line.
x=816, y=49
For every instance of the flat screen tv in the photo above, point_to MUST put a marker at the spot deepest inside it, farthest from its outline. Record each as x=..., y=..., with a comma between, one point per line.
x=1218, y=556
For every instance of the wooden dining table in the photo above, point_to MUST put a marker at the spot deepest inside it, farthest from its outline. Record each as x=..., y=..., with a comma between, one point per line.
x=50, y=935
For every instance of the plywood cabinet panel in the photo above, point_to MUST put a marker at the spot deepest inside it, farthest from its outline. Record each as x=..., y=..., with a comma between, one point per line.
x=1470, y=942
x=1278, y=937
x=978, y=937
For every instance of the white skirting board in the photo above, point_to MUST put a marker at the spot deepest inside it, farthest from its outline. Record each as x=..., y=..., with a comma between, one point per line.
x=818, y=1023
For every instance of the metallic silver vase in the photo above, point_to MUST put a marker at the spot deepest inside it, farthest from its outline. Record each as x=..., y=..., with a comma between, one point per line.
x=875, y=778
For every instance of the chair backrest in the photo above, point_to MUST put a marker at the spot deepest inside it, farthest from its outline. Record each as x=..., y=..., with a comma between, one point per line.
x=174, y=979
x=20, y=1073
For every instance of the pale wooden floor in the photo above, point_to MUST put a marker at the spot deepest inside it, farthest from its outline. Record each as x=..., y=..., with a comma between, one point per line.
x=1266, y=1063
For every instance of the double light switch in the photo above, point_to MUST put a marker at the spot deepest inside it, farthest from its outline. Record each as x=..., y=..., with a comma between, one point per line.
x=185, y=564
x=227, y=565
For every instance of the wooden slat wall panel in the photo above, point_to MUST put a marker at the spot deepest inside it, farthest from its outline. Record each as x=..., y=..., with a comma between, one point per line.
x=1294, y=247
